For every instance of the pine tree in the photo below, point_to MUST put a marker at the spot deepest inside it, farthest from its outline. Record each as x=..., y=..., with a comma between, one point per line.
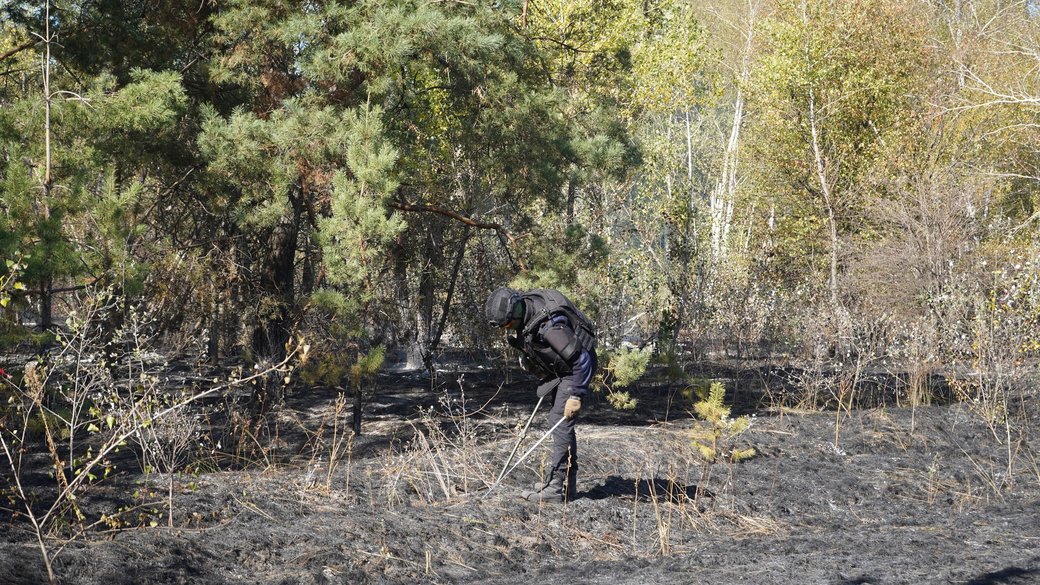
x=716, y=440
x=75, y=148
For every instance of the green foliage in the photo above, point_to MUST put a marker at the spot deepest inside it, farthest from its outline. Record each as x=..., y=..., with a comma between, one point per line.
x=9, y=283
x=716, y=440
x=649, y=219
x=328, y=370
x=623, y=367
x=621, y=400
x=14, y=336
x=627, y=365
x=335, y=369
x=560, y=259
x=367, y=365
x=349, y=109
x=669, y=60
x=832, y=90
x=89, y=218
x=356, y=235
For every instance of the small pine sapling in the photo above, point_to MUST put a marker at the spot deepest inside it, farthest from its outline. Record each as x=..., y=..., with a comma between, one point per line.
x=624, y=366
x=364, y=367
x=715, y=441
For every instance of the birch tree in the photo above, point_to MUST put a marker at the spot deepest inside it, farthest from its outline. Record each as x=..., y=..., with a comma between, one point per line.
x=834, y=84
x=736, y=32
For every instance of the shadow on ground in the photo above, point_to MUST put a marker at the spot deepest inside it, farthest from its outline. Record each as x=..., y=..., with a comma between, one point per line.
x=1008, y=576
x=646, y=490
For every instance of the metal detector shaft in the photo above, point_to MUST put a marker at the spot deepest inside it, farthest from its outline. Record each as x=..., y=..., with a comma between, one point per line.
x=516, y=447
x=524, y=456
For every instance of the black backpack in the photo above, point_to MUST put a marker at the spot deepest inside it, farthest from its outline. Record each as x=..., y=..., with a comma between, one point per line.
x=546, y=303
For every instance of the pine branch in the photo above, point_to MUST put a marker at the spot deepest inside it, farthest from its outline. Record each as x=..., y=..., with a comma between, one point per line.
x=18, y=49
x=498, y=228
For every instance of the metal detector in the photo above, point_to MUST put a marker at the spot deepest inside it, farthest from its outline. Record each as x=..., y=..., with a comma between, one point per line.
x=523, y=435
x=524, y=456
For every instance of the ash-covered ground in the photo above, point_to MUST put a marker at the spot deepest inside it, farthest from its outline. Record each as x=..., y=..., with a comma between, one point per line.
x=876, y=495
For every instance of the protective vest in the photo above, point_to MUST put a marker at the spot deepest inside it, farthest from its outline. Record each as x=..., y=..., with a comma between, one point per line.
x=541, y=306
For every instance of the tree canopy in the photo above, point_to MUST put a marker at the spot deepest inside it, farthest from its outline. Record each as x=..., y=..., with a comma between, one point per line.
x=754, y=175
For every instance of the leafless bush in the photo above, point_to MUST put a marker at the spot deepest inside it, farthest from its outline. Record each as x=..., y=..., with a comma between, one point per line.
x=1005, y=345
x=329, y=445
x=192, y=295
x=836, y=350
x=445, y=456
x=960, y=283
x=76, y=413
x=164, y=443
x=740, y=311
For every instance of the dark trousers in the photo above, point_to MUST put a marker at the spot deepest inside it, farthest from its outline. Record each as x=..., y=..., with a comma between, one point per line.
x=564, y=460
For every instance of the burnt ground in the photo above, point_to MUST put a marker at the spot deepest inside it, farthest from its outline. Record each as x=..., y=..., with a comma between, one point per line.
x=899, y=496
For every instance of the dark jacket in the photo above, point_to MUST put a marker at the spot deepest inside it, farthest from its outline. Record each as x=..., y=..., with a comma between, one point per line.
x=558, y=341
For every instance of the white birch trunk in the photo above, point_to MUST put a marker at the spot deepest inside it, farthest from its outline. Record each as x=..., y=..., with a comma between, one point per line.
x=828, y=198
x=825, y=185
x=723, y=197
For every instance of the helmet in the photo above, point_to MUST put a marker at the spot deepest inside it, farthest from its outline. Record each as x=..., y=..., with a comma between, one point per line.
x=499, y=306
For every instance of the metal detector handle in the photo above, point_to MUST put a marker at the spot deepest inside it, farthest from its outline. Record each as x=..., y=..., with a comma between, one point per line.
x=524, y=456
x=516, y=447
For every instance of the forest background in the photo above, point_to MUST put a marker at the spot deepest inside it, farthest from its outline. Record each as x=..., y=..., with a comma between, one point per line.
x=304, y=190
x=817, y=179
x=829, y=182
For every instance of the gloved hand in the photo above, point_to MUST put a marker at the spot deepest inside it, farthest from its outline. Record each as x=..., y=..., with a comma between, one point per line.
x=571, y=407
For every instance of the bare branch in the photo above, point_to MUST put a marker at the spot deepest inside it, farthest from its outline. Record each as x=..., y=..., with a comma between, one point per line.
x=502, y=231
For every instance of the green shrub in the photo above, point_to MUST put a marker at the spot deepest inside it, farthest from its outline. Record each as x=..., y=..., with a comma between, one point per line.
x=14, y=336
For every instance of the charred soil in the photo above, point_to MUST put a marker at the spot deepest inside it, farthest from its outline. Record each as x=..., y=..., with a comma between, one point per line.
x=886, y=494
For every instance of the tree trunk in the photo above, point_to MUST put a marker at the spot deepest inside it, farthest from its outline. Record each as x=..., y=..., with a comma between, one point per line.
x=405, y=315
x=721, y=200
x=311, y=261
x=359, y=402
x=213, y=344
x=572, y=195
x=446, y=307
x=274, y=323
x=46, y=304
x=46, y=282
x=432, y=257
x=957, y=33
x=722, y=213
x=828, y=200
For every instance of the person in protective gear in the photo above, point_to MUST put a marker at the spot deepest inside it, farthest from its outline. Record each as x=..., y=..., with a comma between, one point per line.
x=557, y=343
